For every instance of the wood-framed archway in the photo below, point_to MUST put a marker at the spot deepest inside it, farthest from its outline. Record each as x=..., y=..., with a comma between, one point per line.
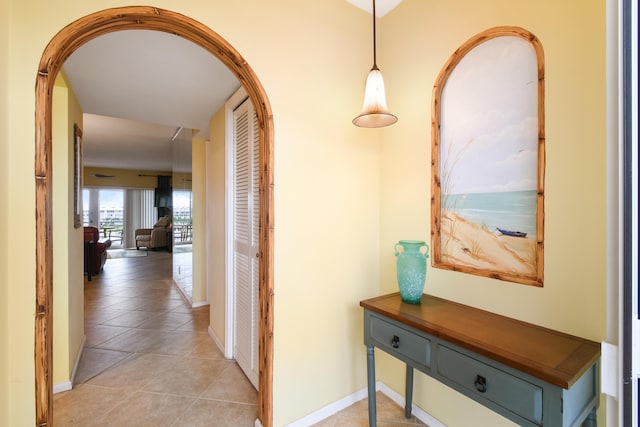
x=55, y=54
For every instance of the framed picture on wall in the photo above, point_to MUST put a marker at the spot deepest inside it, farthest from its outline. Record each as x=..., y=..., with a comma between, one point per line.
x=488, y=157
x=77, y=176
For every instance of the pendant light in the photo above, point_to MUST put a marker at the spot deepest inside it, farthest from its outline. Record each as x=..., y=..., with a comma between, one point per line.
x=374, y=109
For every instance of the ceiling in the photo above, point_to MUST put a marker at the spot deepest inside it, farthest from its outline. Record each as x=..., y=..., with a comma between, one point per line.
x=137, y=87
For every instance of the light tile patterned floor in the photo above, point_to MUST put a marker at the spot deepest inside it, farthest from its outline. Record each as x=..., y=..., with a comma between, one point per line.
x=149, y=361
x=388, y=414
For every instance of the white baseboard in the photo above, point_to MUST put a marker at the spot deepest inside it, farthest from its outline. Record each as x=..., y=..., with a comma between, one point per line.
x=344, y=403
x=68, y=385
x=258, y=423
x=330, y=409
x=185, y=297
x=199, y=304
x=215, y=339
x=63, y=386
x=77, y=362
x=188, y=299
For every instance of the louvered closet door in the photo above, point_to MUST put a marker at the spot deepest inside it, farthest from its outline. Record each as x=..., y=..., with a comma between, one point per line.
x=246, y=214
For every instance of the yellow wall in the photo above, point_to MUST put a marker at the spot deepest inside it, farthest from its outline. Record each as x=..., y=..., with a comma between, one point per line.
x=4, y=211
x=198, y=165
x=182, y=181
x=68, y=284
x=573, y=297
x=122, y=178
x=344, y=195
x=216, y=217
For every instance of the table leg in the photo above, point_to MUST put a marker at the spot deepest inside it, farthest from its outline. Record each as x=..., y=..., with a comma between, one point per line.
x=408, y=392
x=371, y=386
x=591, y=420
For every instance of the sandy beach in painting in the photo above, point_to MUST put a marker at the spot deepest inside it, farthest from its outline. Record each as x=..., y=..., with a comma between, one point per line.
x=467, y=243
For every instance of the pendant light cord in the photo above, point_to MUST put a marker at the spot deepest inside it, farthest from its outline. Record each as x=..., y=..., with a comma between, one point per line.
x=375, y=66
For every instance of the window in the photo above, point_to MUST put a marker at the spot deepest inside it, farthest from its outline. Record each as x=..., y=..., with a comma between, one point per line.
x=182, y=217
x=104, y=209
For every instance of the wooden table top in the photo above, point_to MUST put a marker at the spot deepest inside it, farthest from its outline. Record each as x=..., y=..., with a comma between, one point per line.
x=552, y=356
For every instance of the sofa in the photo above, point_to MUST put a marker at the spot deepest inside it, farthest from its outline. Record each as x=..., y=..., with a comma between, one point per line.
x=156, y=237
x=95, y=251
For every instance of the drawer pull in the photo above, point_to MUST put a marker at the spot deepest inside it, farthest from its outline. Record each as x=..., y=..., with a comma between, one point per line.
x=395, y=341
x=480, y=383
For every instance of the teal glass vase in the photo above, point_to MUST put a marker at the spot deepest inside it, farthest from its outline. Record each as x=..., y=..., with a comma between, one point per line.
x=412, y=269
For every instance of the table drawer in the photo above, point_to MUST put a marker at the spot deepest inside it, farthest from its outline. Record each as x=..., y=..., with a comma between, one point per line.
x=401, y=342
x=503, y=389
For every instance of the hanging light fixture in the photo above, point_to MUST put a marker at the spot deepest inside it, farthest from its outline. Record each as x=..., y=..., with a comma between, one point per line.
x=374, y=110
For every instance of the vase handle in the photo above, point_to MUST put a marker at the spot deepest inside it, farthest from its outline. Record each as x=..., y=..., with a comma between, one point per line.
x=395, y=248
x=426, y=252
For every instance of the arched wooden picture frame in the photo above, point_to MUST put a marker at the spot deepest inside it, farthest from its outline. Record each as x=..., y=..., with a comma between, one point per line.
x=488, y=158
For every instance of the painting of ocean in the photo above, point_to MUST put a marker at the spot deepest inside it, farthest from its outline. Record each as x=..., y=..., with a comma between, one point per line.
x=510, y=210
x=488, y=159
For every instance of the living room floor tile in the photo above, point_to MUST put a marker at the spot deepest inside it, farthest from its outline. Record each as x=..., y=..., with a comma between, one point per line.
x=134, y=372
x=167, y=321
x=225, y=414
x=155, y=341
x=85, y=405
x=131, y=319
x=97, y=334
x=100, y=315
x=231, y=385
x=95, y=360
x=148, y=409
x=187, y=376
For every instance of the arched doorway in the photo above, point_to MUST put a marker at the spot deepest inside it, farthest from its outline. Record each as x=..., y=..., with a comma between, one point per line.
x=57, y=51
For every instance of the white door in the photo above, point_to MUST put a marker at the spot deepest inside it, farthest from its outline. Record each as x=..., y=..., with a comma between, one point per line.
x=245, y=239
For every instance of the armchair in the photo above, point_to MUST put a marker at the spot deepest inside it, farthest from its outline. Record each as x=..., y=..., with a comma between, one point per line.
x=95, y=251
x=156, y=237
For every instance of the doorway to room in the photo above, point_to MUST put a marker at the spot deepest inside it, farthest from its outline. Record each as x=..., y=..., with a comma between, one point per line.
x=60, y=47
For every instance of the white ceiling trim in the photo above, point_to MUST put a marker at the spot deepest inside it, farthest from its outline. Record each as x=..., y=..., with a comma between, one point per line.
x=382, y=6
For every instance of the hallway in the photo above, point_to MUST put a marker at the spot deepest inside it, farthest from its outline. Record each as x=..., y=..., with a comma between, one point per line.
x=148, y=358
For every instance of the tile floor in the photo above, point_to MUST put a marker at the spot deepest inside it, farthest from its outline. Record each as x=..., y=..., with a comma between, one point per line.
x=149, y=361
x=389, y=414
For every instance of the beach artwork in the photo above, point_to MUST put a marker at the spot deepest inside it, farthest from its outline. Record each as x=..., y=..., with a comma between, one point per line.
x=489, y=161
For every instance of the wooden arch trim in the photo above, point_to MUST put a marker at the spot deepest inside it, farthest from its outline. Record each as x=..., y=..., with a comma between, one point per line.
x=436, y=185
x=55, y=54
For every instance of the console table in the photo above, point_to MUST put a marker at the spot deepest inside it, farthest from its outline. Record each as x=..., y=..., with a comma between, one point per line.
x=531, y=375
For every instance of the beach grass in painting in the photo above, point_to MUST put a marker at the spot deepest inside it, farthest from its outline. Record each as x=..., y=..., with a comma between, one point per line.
x=477, y=248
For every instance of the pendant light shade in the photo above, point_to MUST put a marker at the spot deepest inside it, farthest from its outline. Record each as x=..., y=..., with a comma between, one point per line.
x=374, y=109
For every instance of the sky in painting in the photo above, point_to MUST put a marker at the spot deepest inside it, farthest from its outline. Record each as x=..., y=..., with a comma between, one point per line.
x=489, y=121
